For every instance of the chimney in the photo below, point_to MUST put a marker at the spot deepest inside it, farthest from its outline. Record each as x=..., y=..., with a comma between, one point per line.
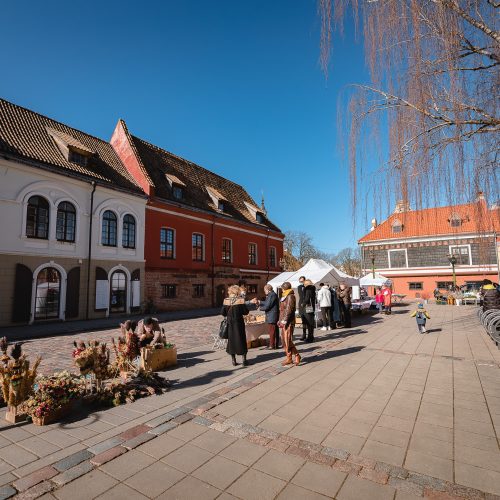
x=402, y=206
x=480, y=196
x=374, y=224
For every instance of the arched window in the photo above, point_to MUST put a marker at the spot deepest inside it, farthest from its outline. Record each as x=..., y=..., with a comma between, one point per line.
x=47, y=294
x=109, y=227
x=128, y=235
x=37, y=218
x=66, y=222
x=118, y=295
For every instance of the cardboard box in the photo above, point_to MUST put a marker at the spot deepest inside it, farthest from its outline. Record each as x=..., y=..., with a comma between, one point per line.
x=158, y=359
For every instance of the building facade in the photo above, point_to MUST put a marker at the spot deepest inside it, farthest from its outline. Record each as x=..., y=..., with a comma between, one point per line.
x=415, y=248
x=203, y=232
x=72, y=222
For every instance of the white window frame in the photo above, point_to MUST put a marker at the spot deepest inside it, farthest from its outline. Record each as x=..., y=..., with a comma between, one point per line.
x=230, y=261
x=256, y=253
x=118, y=228
x=175, y=242
x=203, y=249
x=405, y=250
x=459, y=246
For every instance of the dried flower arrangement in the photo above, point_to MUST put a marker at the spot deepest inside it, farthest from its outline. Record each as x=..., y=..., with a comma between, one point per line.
x=53, y=394
x=126, y=350
x=92, y=359
x=16, y=378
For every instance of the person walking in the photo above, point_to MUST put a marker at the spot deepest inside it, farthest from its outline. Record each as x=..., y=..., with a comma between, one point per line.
x=287, y=323
x=234, y=308
x=309, y=308
x=379, y=300
x=271, y=307
x=334, y=309
x=491, y=295
x=325, y=303
x=387, y=293
x=421, y=316
x=301, y=292
x=344, y=295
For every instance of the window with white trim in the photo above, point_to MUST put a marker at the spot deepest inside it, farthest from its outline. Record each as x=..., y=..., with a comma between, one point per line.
x=128, y=232
x=66, y=222
x=462, y=254
x=397, y=258
x=37, y=218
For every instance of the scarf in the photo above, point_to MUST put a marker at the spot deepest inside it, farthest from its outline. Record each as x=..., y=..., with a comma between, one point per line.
x=286, y=293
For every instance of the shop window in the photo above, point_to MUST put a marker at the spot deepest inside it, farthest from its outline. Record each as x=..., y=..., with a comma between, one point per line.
x=416, y=286
x=118, y=295
x=47, y=294
x=37, y=218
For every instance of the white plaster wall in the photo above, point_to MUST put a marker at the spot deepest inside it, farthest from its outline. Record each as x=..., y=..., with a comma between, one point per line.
x=18, y=182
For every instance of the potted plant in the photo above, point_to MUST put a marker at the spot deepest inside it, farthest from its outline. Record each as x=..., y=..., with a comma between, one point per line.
x=17, y=379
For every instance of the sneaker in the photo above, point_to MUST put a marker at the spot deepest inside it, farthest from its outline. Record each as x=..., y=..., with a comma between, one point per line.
x=323, y=329
x=328, y=328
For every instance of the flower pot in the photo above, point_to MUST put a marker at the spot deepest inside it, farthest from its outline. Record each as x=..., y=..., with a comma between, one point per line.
x=54, y=415
x=13, y=415
x=158, y=359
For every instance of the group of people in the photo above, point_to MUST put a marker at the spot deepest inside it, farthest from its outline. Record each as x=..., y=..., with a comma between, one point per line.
x=335, y=305
x=383, y=299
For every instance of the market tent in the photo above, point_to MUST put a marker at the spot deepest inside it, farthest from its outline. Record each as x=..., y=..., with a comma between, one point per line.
x=317, y=271
x=369, y=280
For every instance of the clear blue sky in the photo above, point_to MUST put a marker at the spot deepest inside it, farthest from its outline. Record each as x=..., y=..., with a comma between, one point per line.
x=232, y=85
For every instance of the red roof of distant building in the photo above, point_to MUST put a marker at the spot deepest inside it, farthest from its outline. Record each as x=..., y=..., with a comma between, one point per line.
x=473, y=217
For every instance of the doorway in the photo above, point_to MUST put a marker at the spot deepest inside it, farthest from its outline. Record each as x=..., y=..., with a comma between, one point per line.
x=118, y=292
x=47, y=294
x=220, y=295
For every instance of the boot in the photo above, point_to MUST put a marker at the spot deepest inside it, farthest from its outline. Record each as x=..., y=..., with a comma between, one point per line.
x=297, y=359
x=303, y=335
x=245, y=362
x=287, y=361
x=233, y=357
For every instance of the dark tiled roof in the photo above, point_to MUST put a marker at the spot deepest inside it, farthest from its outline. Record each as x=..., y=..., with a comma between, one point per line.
x=160, y=163
x=27, y=135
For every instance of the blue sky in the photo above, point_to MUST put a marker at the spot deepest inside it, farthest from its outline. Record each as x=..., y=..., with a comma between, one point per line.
x=232, y=85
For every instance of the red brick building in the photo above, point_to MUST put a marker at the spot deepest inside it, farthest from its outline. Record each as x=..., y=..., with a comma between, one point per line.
x=413, y=247
x=203, y=232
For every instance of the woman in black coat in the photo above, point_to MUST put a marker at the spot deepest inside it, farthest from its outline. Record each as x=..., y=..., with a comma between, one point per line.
x=235, y=308
x=309, y=308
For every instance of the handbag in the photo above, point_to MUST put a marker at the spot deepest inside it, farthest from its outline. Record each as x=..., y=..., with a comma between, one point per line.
x=223, y=329
x=309, y=309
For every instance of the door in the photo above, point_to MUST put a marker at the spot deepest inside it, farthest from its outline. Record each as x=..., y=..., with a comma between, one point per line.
x=220, y=295
x=48, y=294
x=118, y=292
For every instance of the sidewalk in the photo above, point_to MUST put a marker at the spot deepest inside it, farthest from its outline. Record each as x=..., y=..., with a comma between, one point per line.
x=377, y=411
x=50, y=329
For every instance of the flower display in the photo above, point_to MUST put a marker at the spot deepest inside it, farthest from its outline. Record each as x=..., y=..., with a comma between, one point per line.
x=92, y=358
x=126, y=350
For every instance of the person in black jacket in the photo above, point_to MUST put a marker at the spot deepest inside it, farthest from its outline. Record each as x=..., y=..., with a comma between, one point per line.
x=300, y=291
x=271, y=307
x=309, y=308
x=335, y=309
x=491, y=295
x=234, y=308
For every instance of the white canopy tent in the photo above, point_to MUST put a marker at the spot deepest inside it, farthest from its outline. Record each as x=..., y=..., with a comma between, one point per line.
x=316, y=270
x=369, y=280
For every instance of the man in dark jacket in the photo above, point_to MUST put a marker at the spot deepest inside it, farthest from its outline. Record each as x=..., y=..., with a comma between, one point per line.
x=344, y=296
x=309, y=308
x=491, y=296
x=300, y=291
x=335, y=309
x=271, y=307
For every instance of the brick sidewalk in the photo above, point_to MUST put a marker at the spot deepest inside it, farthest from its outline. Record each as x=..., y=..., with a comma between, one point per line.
x=377, y=412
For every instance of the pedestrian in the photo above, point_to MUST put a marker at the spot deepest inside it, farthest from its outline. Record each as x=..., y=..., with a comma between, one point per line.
x=344, y=295
x=149, y=331
x=271, y=307
x=334, y=309
x=300, y=291
x=234, y=308
x=421, y=316
x=387, y=293
x=309, y=308
x=379, y=300
x=287, y=323
x=491, y=295
x=128, y=326
x=325, y=303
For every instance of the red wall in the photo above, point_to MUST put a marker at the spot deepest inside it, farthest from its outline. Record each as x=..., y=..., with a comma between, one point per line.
x=185, y=227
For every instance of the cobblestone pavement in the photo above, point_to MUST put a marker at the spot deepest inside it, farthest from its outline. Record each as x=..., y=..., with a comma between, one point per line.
x=374, y=412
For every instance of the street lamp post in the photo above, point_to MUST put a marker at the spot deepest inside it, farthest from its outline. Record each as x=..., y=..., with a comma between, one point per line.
x=453, y=261
x=372, y=257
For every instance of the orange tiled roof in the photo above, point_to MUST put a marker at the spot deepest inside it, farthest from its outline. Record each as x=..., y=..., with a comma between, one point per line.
x=474, y=217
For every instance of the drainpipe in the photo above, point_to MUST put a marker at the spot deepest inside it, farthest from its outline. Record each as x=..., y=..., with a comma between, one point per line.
x=267, y=255
x=93, y=184
x=213, y=263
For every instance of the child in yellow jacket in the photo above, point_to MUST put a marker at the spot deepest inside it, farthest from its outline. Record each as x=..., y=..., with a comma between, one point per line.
x=422, y=316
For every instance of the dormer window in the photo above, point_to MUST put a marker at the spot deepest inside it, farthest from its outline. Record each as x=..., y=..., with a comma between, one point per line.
x=77, y=158
x=71, y=148
x=397, y=227
x=255, y=212
x=217, y=198
x=178, y=192
x=176, y=185
x=455, y=221
x=259, y=217
x=220, y=206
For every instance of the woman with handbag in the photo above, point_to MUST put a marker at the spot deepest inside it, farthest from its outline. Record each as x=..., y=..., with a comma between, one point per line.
x=287, y=323
x=233, y=309
x=309, y=308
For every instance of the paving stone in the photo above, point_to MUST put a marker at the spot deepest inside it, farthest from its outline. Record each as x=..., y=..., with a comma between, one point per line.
x=121, y=491
x=161, y=446
x=7, y=492
x=374, y=475
x=213, y=441
x=277, y=445
x=36, y=477
x=335, y=453
x=127, y=465
x=89, y=486
x=73, y=473
x=202, y=421
x=210, y=472
x=16, y=456
x=429, y=464
x=138, y=440
x=319, y=478
x=106, y=445
x=319, y=458
x=161, y=429
x=187, y=458
x=190, y=487
x=406, y=486
x=294, y=492
x=355, y=488
x=392, y=470
x=476, y=477
x=179, y=411
x=347, y=467
x=107, y=455
x=185, y=417
x=72, y=460
x=427, y=481
x=155, y=479
x=243, y=452
x=133, y=432
x=36, y=491
x=155, y=422
x=7, y=478
x=279, y=465
x=383, y=452
x=255, y=485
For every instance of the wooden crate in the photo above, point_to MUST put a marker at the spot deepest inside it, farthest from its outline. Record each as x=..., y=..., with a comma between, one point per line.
x=158, y=359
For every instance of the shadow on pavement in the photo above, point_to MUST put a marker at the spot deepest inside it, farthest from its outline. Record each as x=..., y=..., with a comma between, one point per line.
x=332, y=354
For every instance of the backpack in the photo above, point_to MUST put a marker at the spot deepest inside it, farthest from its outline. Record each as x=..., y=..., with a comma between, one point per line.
x=420, y=318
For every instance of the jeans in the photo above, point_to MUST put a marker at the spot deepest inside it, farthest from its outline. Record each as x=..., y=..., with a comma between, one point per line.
x=309, y=325
x=325, y=314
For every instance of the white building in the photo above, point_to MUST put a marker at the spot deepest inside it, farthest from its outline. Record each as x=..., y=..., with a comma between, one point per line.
x=58, y=186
